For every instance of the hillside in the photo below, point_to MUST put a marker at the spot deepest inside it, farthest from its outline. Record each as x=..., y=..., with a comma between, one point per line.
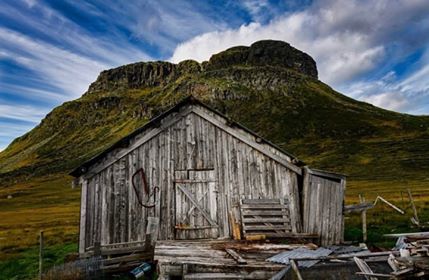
x=269, y=87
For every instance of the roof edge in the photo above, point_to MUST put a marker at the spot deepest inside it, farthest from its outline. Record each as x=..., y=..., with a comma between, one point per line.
x=189, y=100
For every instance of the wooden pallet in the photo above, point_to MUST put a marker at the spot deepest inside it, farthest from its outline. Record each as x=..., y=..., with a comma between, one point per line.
x=268, y=217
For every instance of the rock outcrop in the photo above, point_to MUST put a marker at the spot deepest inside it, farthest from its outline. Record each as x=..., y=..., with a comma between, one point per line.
x=158, y=73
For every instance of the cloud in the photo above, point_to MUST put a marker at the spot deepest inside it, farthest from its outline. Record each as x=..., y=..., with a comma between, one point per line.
x=353, y=42
x=347, y=38
x=23, y=113
x=387, y=100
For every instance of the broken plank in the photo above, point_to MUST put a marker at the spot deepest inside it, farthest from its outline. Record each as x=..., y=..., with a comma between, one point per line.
x=238, y=258
x=296, y=270
x=281, y=274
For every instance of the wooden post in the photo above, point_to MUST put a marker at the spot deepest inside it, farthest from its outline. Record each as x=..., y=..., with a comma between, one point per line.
x=296, y=270
x=41, y=255
x=416, y=217
x=364, y=232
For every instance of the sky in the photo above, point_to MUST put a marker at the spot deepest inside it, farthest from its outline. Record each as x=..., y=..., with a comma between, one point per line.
x=51, y=50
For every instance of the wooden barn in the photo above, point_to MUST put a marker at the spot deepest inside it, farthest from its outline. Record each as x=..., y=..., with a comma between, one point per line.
x=193, y=174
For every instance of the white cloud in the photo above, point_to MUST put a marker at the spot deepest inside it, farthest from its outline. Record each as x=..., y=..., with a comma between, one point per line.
x=348, y=40
x=25, y=113
x=387, y=100
x=340, y=55
x=63, y=69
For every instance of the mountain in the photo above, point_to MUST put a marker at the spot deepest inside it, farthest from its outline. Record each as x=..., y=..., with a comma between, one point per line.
x=270, y=87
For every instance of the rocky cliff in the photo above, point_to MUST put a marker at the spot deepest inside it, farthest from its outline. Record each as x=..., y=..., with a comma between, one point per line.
x=269, y=86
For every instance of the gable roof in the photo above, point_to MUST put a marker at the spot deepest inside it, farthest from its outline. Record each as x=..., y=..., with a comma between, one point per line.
x=190, y=100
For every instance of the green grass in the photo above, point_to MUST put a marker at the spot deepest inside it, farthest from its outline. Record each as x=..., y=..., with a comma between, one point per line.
x=48, y=203
x=26, y=264
x=382, y=152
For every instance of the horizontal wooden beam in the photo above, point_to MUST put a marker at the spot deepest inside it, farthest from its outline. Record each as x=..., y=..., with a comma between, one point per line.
x=263, y=206
x=357, y=207
x=410, y=234
x=279, y=212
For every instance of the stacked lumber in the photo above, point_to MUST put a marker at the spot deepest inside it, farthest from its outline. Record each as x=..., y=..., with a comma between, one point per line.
x=413, y=261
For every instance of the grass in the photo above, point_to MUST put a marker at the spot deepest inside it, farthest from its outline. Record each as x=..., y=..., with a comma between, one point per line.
x=382, y=152
x=50, y=204
x=25, y=265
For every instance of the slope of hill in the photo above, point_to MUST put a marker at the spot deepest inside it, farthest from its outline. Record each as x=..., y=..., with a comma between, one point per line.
x=269, y=87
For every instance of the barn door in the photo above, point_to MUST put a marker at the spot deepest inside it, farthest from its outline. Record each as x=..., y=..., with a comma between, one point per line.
x=196, y=205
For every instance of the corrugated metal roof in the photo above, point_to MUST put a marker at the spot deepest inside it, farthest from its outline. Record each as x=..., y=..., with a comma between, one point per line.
x=300, y=253
x=338, y=250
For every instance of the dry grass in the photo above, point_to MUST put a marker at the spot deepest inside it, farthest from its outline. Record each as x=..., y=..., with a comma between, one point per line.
x=47, y=204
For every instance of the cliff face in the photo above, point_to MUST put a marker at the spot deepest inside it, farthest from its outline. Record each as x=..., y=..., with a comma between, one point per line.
x=269, y=86
x=152, y=74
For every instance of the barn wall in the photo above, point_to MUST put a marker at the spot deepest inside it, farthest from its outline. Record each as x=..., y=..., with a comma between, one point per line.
x=323, y=201
x=113, y=214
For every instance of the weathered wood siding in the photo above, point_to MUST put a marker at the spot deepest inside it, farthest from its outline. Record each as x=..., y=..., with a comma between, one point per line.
x=183, y=141
x=323, y=201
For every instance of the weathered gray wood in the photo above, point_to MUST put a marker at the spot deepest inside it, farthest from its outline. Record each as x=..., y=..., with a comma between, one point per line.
x=296, y=270
x=409, y=235
x=363, y=266
x=264, y=206
x=363, y=214
x=254, y=145
x=352, y=208
x=83, y=204
x=154, y=132
x=379, y=198
x=413, y=206
x=264, y=213
x=323, y=201
x=191, y=141
x=281, y=274
x=266, y=220
x=239, y=259
x=41, y=244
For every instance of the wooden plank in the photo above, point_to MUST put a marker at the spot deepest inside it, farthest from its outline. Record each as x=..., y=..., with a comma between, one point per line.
x=296, y=270
x=410, y=234
x=352, y=208
x=363, y=214
x=363, y=266
x=413, y=206
x=265, y=227
x=327, y=174
x=238, y=258
x=281, y=274
x=263, y=206
x=193, y=276
x=249, y=142
x=248, y=212
x=306, y=194
x=266, y=219
x=170, y=120
x=260, y=201
x=82, y=229
x=284, y=234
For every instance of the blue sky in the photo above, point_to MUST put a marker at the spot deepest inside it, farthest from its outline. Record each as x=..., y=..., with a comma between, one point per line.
x=51, y=50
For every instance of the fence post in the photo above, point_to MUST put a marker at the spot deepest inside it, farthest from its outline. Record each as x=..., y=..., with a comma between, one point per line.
x=364, y=233
x=41, y=255
x=416, y=217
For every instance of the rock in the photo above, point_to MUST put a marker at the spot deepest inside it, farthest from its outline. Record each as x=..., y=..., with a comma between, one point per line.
x=135, y=75
x=9, y=196
x=265, y=53
x=158, y=73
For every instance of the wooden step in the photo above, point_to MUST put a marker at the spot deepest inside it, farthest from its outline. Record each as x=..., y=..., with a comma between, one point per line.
x=212, y=276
